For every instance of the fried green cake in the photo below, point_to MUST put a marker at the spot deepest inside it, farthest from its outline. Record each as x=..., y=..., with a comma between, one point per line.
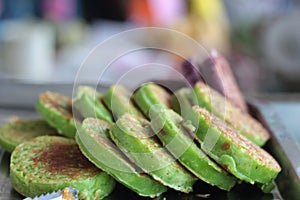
x=153, y=101
x=96, y=145
x=50, y=163
x=181, y=145
x=56, y=109
x=233, y=151
x=16, y=131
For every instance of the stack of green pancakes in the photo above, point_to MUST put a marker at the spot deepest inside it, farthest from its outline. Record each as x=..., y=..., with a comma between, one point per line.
x=149, y=141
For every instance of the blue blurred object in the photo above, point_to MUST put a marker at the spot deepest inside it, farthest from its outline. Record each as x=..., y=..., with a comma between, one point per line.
x=15, y=9
x=55, y=10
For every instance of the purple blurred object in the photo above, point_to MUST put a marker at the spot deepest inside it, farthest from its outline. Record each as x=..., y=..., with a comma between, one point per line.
x=190, y=72
x=216, y=72
x=59, y=10
x=167, y=12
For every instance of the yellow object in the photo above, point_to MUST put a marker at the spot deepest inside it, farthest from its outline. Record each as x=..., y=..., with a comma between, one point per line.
x=67, y=195
x=207, y=9
x=207, y=23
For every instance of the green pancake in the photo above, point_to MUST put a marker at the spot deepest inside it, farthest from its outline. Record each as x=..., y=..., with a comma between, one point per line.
x=233, y=151
x=50, y=163
x=56, y=109
x=181, y=145
x=88, y=103
x=98, y=148
x=149, y=94
x=214, y=102
x=16, y=131
x=134, y=137
x=118, y=100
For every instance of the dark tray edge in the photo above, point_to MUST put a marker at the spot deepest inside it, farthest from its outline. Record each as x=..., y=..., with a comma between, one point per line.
x=282, y=147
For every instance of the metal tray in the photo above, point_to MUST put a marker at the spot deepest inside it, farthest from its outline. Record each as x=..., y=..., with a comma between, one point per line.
x=281, y=146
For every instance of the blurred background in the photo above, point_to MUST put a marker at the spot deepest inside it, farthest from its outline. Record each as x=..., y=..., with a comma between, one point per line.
x=47, y=40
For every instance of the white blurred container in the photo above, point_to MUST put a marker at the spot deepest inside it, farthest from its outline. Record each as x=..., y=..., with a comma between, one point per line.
x=27, y=50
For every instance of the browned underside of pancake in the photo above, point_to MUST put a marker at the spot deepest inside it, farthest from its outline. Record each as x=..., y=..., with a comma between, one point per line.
x=63, y=158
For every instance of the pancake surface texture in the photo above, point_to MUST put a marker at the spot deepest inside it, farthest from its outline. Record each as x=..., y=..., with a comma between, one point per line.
x=50, y=163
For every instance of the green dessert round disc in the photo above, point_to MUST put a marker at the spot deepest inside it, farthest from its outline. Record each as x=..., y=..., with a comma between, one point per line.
x=50, y=163
x=233, y=151
x=56, y=109
x=16, y=131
